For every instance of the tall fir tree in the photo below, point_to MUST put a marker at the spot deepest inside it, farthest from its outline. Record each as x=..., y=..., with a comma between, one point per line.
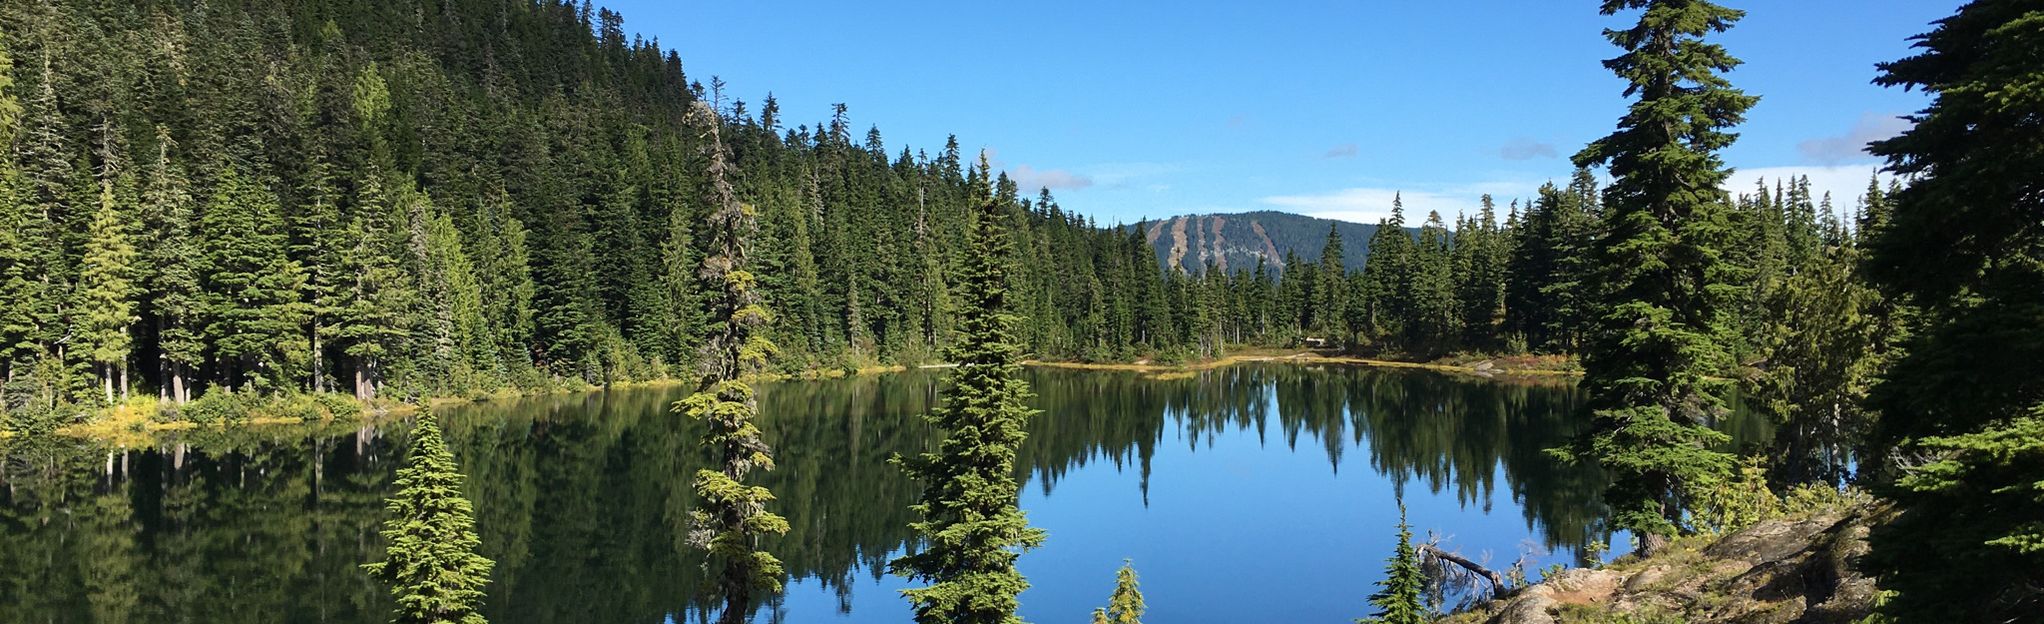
x=1650, y=365
x=175, y=293
x=1330, y=291
x=1433, y=325
x=1388, y=274
x=374, y=293
x=431, y=565
x=107, y=288
x=1960, y=441
x=972, y=525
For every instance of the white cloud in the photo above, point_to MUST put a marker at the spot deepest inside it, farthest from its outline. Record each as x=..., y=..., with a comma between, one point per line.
x=1030, y=178
x=1345, y=150
x=1852, y=146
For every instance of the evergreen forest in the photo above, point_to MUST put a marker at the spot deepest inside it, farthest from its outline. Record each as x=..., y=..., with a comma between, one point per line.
x=211, y=211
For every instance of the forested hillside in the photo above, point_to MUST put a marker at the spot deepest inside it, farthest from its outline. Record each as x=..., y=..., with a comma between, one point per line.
x=443, y=196
x=461, y=196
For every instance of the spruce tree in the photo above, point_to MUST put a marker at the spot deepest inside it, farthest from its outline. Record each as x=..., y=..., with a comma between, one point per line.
x=1330, y=291
x=373, y=292
x=1648, y=370
x=107, y=291
x=17, y=248
x=1387, y=275
x=1398, y=601
x=733, y=515
x=1960, y=440
x=431, y=563
x=1433, y=325
x=175, y=295
x=1126, y=605
x=252, y=301
x=972, y=526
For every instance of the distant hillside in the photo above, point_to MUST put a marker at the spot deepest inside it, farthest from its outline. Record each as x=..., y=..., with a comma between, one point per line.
x=1233, y=242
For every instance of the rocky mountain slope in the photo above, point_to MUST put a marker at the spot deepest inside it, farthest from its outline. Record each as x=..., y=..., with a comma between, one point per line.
x=1234, y=242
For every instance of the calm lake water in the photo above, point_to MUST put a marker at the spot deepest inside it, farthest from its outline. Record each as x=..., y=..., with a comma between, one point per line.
x=1244, y=494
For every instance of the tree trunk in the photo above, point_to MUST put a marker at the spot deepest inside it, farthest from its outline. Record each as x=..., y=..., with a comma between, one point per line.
x=365, y=379
x=106, y=381
x=178, y=391
x=124, y=381
x=318, y=374
x=1498, y=588
x=1651, y=543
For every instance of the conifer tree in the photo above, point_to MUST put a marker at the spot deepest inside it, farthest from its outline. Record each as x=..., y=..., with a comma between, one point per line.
x=1549, y=268
x=1960, y=441
x=1330, y=291
x=733, y=515
x=1387, y=274
x=40, y=201
x=17, y=247
x=1648, y=369
x=367, y=326
x=252, y=300
x=1398, y=601
x=107, y=290
x=972, y=526
x=1827, y=336
x=431, y=563
x=174, y=290
x=1433, y=324
x=1126, y=605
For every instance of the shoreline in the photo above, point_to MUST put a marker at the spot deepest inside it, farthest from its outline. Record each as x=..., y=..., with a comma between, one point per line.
x=1477, y=369
x=117, y=424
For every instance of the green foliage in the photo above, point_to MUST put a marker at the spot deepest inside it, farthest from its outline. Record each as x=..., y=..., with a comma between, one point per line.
x=1126, y=605
x=1957, y=443
x=1547, y=297
x=733, y=515
x=214, y=408
x=431, y=563
x=107, y=288
x=1729, y=504
x=972, y=526
x=379, y=208
x=1663, y=324
x=1399, y=599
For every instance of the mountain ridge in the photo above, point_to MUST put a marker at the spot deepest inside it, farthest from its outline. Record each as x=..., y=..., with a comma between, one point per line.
x=1236, y=241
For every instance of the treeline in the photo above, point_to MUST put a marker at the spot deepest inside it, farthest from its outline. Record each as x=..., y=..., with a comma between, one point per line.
x=472, y=195
x=1521, y=282
x=441, y=197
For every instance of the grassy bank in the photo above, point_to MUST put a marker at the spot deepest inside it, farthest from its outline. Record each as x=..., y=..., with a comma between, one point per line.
x=141, y=416
x=1479, y=365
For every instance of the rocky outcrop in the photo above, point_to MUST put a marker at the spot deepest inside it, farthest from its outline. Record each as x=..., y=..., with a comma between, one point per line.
x=1775, y=572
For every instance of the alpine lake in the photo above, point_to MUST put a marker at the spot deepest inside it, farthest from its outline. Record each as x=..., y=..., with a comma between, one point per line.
x=1258, y=492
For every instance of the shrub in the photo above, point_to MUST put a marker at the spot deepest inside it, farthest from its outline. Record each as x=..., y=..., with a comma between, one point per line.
x=217, y=406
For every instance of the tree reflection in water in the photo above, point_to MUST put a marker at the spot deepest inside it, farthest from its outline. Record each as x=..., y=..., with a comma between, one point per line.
x=576, y=500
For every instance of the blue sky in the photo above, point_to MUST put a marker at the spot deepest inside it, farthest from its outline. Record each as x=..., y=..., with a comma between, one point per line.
x=1135, y=109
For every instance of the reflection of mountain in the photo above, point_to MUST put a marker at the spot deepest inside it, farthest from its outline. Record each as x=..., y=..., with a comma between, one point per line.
x=581, y=499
